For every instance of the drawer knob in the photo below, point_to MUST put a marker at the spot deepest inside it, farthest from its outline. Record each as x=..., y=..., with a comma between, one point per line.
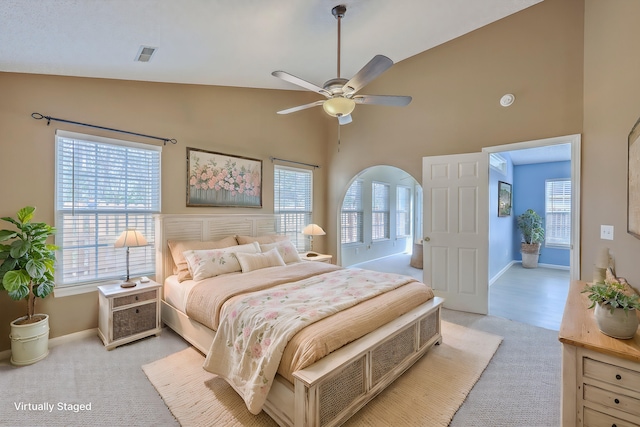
x=616, y=401
x=137, y=311
x=136, y=297
x=613, y=425
x=618, y=377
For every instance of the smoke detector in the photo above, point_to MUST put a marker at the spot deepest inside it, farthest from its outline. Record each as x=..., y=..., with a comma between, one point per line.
x=507, y=100
x=145, y=53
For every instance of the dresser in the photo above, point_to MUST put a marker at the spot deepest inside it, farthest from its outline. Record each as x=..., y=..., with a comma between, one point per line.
x=128, y=314
x=600, y=374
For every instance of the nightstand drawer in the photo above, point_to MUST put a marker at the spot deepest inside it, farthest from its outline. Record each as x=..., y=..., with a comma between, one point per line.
x=134, y=320
x=611, y=374
x=598, y=419
x=612, y=399
x=131, y=299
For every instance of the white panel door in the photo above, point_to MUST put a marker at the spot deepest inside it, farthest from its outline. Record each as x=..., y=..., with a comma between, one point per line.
x=456, y=229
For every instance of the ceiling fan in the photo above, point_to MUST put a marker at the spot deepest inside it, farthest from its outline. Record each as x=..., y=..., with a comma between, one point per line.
x=341, y=93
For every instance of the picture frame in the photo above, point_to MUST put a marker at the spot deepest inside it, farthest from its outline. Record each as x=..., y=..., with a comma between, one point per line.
x=504, y=198
x=633, y=182
x=223, y=180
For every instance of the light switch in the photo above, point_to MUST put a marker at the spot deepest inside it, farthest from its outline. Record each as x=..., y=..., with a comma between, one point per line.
x=606, y=232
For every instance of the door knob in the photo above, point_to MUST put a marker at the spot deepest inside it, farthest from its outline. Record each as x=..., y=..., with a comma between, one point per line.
x=426, y=239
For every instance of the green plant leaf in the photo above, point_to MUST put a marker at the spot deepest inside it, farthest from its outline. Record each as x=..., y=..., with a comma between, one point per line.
x=19, y=248
x=21, y=292
x=15, y=279
x=43, y=289
x=7, y=234
x=26, y=214
x=36, y=268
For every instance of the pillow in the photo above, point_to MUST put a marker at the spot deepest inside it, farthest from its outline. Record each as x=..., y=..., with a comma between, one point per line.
x=287, y=251
x=214, y=262
x=177, y=248
x=250, y=262
x=267, y=238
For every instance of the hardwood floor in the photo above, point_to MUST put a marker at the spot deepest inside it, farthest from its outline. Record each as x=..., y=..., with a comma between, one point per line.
x=533, y=296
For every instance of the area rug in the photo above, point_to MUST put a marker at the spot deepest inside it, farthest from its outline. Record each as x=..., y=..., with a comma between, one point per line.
x=429, y=393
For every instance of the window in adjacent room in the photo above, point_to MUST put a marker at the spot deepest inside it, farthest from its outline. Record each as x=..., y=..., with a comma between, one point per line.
x=103, y=187
x=352, y=214
x=558, y=213
x=403, y=211
x=379, y=211
x=293, y=200
x=498, y=163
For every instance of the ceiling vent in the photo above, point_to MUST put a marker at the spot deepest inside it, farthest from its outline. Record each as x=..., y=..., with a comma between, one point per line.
x=145, y=53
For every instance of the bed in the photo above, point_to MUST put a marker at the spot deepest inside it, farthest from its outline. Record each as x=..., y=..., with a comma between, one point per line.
x=322, y=392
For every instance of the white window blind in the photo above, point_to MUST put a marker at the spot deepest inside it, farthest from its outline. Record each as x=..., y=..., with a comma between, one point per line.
x=558, y=213
x=103, y=187
x=403, y=211
x=379, y=211
x=293, y=199
x=352, y=214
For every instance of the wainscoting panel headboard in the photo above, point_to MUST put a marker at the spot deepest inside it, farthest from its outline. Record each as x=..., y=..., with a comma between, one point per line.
x=203, y=228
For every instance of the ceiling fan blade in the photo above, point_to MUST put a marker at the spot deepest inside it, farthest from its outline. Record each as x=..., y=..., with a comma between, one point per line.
x=393, y=101
x=302, y=83
x=378, y=65
x=300, y=107
x=345, y=120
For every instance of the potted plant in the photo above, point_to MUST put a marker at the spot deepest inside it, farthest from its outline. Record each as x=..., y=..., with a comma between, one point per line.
x=615, y=304
x=26, y=273
x=530, y=225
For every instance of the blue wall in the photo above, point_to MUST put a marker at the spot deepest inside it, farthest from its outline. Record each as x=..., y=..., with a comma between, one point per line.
x=528, y=193
x=501, y=231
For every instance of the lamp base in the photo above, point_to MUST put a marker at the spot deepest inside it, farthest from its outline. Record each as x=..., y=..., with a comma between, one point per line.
x=128, y=284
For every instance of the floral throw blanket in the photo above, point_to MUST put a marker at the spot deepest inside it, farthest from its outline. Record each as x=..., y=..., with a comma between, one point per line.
x=256, y=327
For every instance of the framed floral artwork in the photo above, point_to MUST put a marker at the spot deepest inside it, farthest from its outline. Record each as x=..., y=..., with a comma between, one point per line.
x=217, y=179
x=504, y=199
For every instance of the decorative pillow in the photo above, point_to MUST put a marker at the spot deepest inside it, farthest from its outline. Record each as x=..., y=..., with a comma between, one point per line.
x=287, y=251
x=250, y=262
x=267, y=238
x=213, y=262
x=177, y=248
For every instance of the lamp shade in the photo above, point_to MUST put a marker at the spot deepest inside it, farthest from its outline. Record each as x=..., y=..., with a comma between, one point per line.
x=130, y=239
x=339, y=106
x=313, y=230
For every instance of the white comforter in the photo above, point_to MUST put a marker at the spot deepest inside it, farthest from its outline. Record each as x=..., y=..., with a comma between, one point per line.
x=255, y=328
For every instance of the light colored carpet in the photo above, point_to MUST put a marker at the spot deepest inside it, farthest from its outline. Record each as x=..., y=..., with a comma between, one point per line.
x=429, y=393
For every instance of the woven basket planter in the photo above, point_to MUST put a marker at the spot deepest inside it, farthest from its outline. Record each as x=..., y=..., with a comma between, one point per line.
x=530, y=253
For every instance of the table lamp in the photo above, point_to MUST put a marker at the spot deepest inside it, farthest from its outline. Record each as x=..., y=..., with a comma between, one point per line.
x=130, y=239
x=312, y=230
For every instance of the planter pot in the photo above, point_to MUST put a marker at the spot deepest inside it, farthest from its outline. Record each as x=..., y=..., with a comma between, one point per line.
x=30, y=342
x=530, y=253
x=617, y=324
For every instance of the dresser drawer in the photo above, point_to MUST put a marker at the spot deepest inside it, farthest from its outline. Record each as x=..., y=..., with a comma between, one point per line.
x=611, y=374
x=134, y=320
x=611, y=399
x=598, y=419
x=131, y=299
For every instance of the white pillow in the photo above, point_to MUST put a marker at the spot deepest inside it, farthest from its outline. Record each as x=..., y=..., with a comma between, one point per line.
x=213, y=262
x=287, y=251
x=250, y=262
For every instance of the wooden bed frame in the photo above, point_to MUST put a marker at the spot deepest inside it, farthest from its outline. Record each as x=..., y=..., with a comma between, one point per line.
x=331, y=390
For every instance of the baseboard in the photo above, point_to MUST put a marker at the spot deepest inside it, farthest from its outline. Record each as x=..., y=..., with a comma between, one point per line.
x=554, y=266
x=64, y=339
x=501, y=272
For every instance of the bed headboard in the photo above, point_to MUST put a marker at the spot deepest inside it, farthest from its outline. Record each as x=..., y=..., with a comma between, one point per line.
x=203, y=227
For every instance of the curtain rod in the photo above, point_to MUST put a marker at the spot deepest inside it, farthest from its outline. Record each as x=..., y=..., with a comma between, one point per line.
x=294, y=162
x=39, y=116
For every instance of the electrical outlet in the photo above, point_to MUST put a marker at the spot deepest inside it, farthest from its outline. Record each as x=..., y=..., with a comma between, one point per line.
x=606, y=232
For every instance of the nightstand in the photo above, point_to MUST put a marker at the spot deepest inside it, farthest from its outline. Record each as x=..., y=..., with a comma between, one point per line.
x=128, y=314
x=319, y=257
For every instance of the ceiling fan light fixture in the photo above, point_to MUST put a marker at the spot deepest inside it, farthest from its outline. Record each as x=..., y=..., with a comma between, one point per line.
x=339, y=106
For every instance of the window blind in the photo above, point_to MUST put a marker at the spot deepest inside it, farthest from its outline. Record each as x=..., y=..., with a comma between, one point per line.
x=103, y=187
x=352, y=214
x=379, y=211
x=558, y=213
x=403, y=211
x=293, y=200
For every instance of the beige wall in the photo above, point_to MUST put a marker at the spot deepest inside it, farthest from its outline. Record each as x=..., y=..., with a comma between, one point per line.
x=228, y=120
x=539, y=54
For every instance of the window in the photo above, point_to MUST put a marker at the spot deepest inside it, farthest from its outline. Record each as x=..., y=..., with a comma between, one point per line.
x=293, y=203
x=103, y=187
x=558, y=213
x=403, y=211
x=498, y=163
x=380, y=211
x=352, y=214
